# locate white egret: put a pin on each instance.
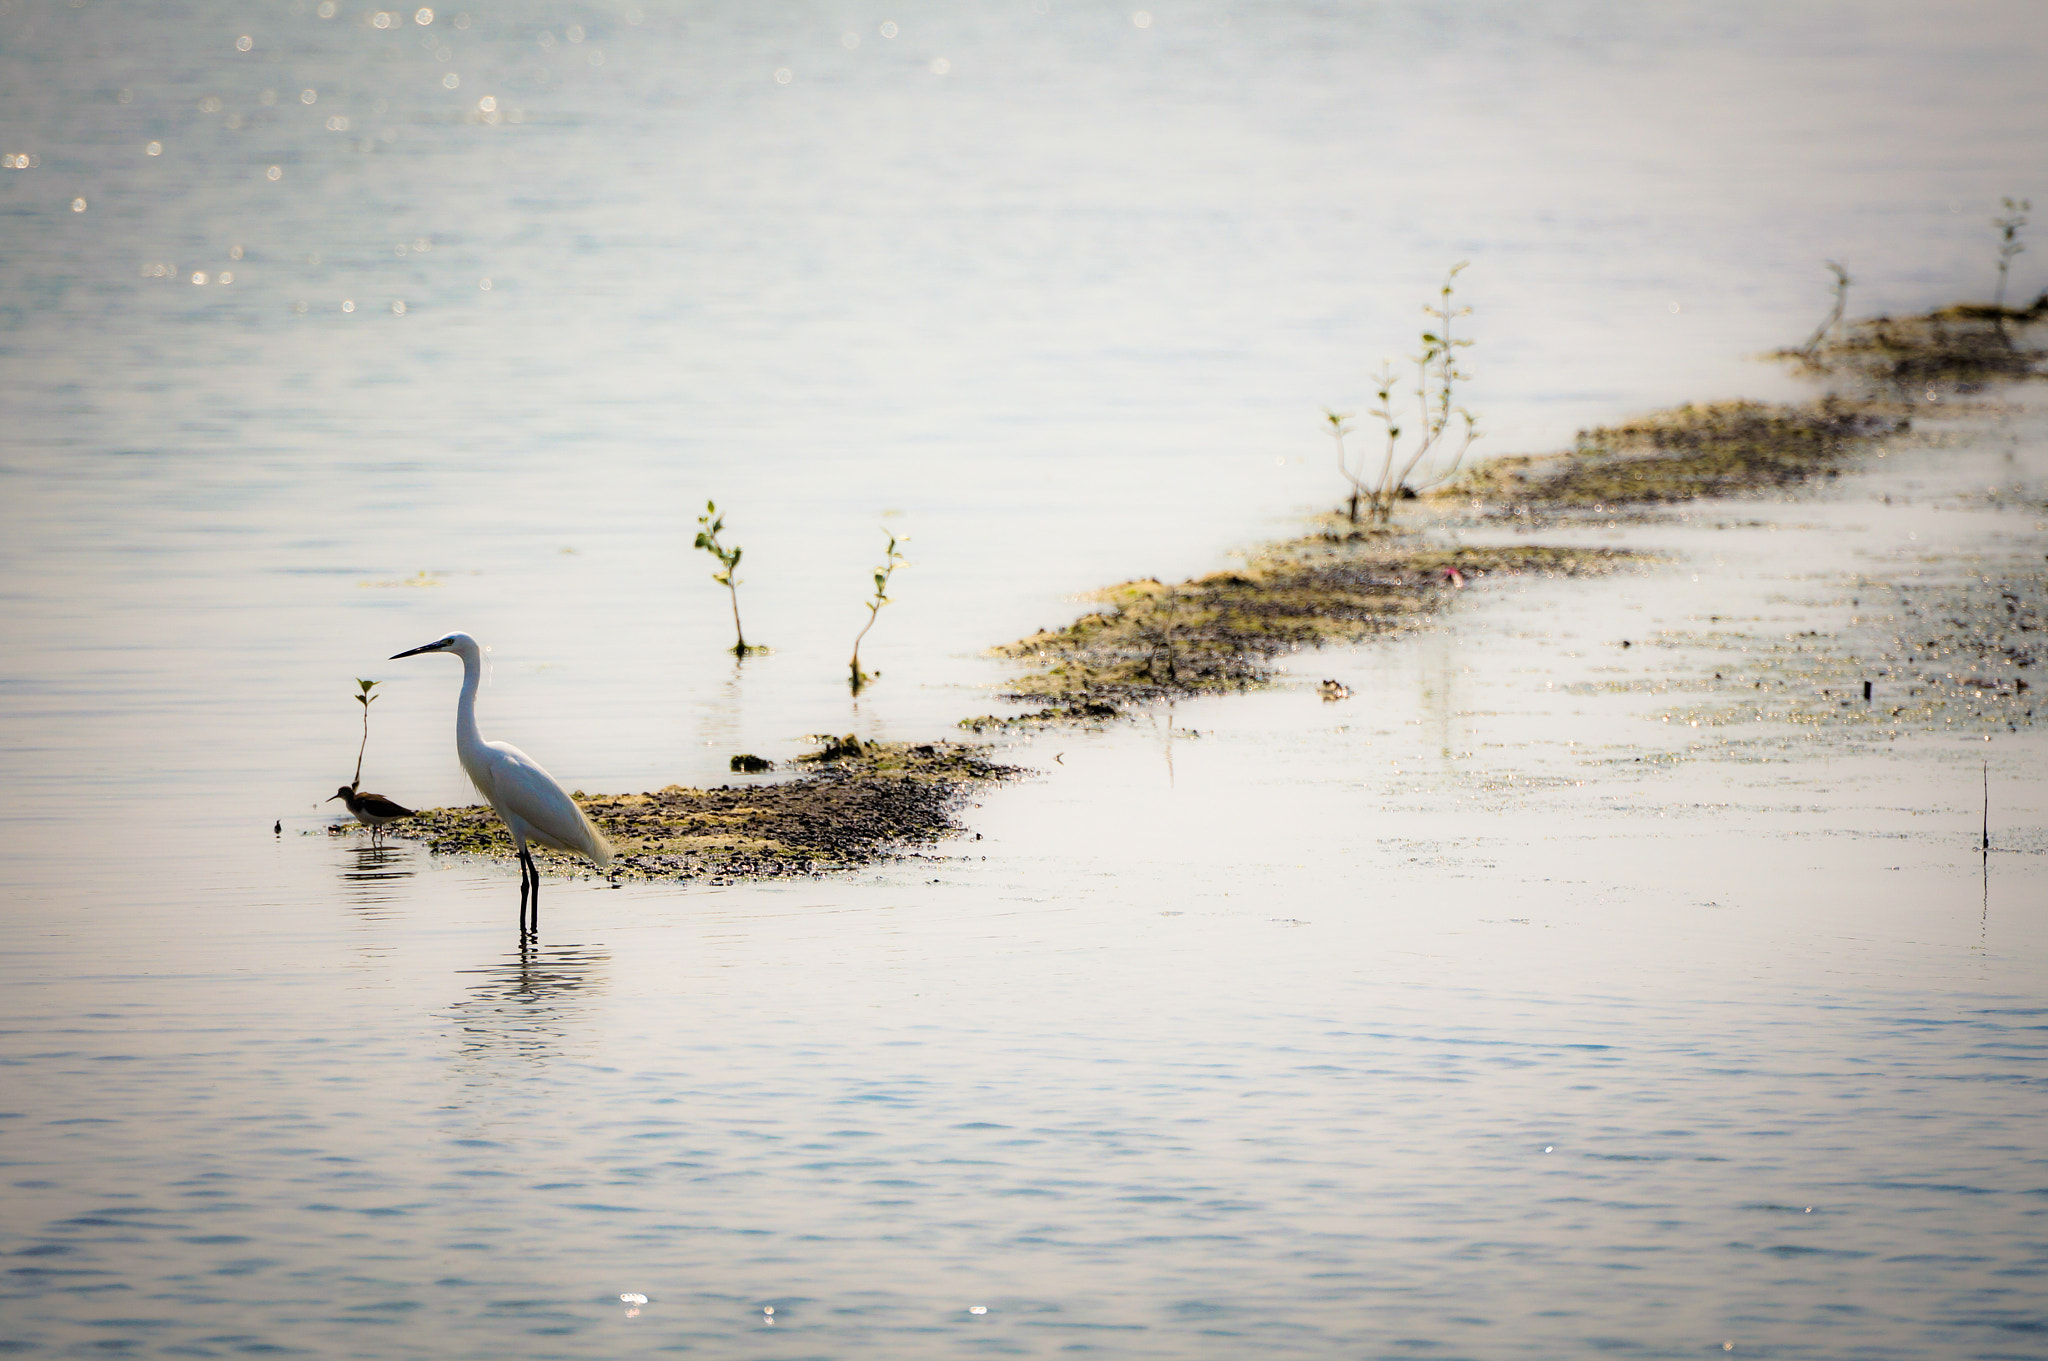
(372, 810)
(533, 806)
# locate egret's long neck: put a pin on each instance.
(469, 743)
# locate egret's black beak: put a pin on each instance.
(424, 647)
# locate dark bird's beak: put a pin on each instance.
(423, 647)
(330, 798)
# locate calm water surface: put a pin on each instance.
(1496, 1011)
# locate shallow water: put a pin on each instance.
(1488, 1012)
(1495, 1011)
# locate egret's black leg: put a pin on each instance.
(535, 872)
(525, 887)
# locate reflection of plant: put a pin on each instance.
(708, 525)
(890, 562)
(1834, 319)
(1436, 378)
(2009, 245)
(364, 698)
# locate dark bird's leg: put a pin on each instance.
(525, 887)
(530, 895)
(534, 870)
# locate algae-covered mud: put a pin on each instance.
(1681, 455)
(1929, 653)
(1961, 347)
(1218, 632)
(860, 801)
(1878, 371)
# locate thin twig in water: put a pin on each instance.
(1986, 845)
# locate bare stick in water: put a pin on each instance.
(1987, 805)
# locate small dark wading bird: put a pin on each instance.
(533, 807)
(372, 810)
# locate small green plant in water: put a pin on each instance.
(708, 526)
(1810, 351)
(890, 562)
(2009, 244)
(365, 698)
(1436, 378)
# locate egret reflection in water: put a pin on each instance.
(527, 1005)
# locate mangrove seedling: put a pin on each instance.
(1338, 430)
(708, 526)
(891, 560)
(2009, 245)
(365, 698)
(1811, 350)
(1436, 378)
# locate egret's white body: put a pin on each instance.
(534, 808)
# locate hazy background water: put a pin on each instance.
(1233, 1042)
(1071, 309)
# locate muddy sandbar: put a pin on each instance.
(857, 802)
